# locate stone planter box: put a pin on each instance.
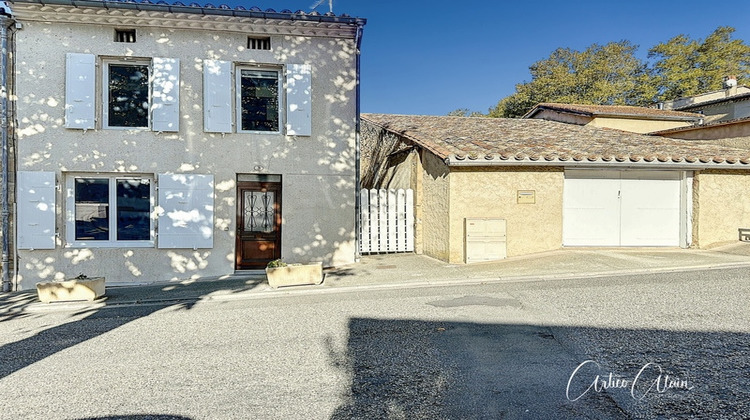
(74, 289)
(294, 275)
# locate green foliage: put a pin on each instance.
(276, 263)
(685, 67)
(612, 75)
(464, 112)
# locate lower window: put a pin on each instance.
(110, 211)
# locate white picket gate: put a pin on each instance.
(386, 221)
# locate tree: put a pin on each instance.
(685, 67)
(611, 74)
(602, 74)
(464, 112)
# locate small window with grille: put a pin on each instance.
(125, 35)
(259, 43)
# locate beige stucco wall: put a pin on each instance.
(741, 129)
(720, 206)
(705, 97)
(400, 172)
(492, 192)
(435, 197)
(636, 125)
(564, 117)
(632, 125)
(318, 172)
(387, 160)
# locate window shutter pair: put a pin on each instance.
(217, 98)
(186, 210)
(80, 90)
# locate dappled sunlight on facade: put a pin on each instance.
(218, 108)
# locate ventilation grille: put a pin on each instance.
(125, 35)
(255, 43)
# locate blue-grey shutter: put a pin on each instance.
(217, 96)
(80, 89)
(186, 211)
(299, 99)
(35, 215)
(165, 93)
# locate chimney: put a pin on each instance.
(730, 85)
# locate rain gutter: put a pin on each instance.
(453, 162)
(176, 8)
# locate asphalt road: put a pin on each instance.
(668, 345)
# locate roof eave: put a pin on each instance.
(453, 161)
(649, 117)
(212, 11)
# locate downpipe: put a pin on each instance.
(357, 176)
(5, 21)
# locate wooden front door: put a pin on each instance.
(258, 224)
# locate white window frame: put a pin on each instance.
(238, 97)
(112, 242)
(105, 92)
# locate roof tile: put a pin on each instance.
(534, 139)
(621, 110)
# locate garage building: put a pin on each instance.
(544, 185)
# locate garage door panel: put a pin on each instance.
(650, 212)
(621, 208)
(591, 212)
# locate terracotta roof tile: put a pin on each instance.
(706, 124)
(529, 140)
(615, 110)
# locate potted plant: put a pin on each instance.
(78, 288)
(280, 273)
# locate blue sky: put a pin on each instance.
(431, 57)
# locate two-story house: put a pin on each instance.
(158, 141)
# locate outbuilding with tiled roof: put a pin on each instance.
(555, 184)
(628, 118)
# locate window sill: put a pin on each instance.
(105, 244)
(139, 129)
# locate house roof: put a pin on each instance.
(733, 98)
(735, 121)
(504, 141)
(195, 8)
(621, 111)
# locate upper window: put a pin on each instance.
(110, 210)
(125, 35)
(141, 94)
(259, 43)
(264, 100)
(258, 100)
(127, 99)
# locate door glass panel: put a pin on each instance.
(259, 211)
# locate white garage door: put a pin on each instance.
(621, 208)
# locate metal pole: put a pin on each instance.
(5, 21)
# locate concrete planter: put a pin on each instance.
(294, 275)
(73, 289)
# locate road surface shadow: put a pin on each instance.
(98, 319)
(449, 370)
